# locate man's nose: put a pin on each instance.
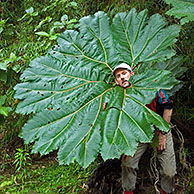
(122, 76)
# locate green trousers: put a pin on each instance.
(167, 169)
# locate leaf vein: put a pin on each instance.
(149, 110)
(130, 46)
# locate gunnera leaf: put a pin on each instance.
(174, 65)
(77, 107)
(182, 9)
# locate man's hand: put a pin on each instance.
(161, 137)
(161, 142)
(125, 157)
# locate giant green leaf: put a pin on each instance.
(67, 89)
(182, 9)
(174, 65)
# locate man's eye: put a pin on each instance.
(124, 73)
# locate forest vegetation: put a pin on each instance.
(28, 29)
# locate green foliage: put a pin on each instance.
(2, 25)
(181, 9)
(30, 13)
(68, 87)
(5, 183)
(50, 178)
(9, 61)
(25, 39)
(18, 25)
(19, 37)
(61, 25)
(4, 165)
(22, 162)
(174, 65)
(190, 183)
(3, 110)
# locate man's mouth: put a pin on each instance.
(124, 81)
(126, 84)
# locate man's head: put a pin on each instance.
(122, 73)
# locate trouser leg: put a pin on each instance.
(168, 165)
(129, 168)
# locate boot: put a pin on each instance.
(128, 192)
(163, 192)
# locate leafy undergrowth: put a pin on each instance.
(49, 177)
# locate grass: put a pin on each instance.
(49, 179)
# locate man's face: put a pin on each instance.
(121, 77)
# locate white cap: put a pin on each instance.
(122, 66)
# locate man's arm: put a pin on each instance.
(167, 115)
(162, 137)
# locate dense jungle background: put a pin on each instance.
(28, 28)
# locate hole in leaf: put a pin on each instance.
(80, 123)
(49, 122)
(61, 86)
(44, 85)
(51, 92)
(42, 94)
(67, 98)
(90, 124)
(38, 92)
(58, 108)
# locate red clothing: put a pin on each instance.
(160, 102)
